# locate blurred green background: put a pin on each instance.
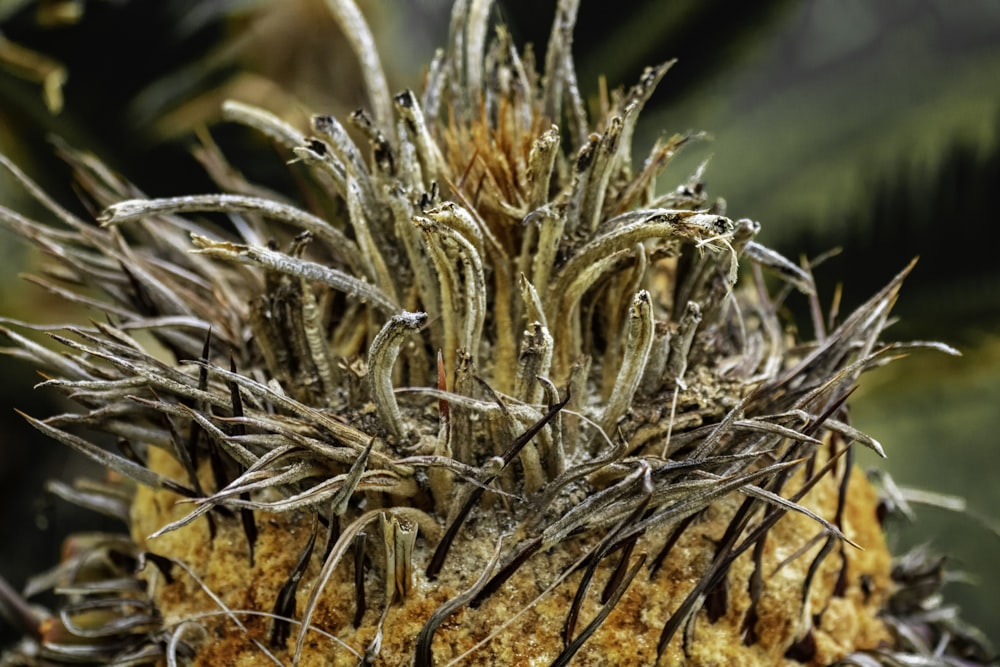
(869, 126)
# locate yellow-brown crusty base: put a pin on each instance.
(534, 627)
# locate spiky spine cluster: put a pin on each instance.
(488, 343)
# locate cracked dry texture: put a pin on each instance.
(628, 636)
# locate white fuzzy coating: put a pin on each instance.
(381, 358)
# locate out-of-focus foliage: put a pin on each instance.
(940, 416)
(871, 126)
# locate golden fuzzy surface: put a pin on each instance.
(522, 623)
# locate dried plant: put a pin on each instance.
(480, 397)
